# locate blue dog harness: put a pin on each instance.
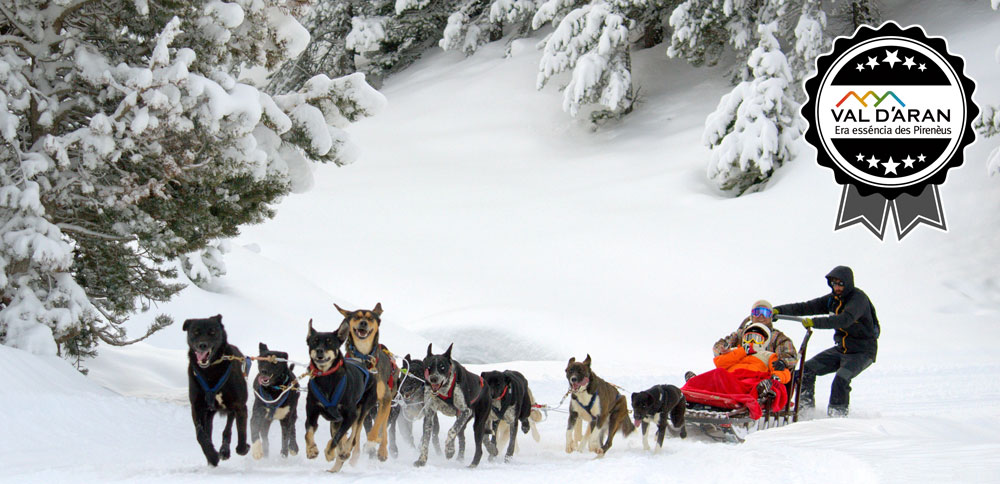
(267, 397)
(222, 381)
(339, 391)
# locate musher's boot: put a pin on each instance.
(689, 375)
(836, 412)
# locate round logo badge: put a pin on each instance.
(890, 111)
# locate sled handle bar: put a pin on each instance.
(788, 318)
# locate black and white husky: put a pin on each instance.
(455, 392)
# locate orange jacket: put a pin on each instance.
(760, 361)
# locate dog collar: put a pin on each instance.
(314, 372)
(502, 393)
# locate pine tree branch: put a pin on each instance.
(10, 17)
(57, 25)
(67, 227)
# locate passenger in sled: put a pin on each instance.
(753, 366)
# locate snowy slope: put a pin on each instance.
(480, 214)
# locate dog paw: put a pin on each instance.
(330, 452)
(383, 454)
(224, 453)
(420, 463)
(212, 458)
(507, 459)
(312, 451)
(242, 449)
(258, 450)
(449, 449)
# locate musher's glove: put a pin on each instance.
(779, 365)
(807, 322)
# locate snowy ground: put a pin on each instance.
(479, 214)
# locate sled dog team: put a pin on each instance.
(354, 381)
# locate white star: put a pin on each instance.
(861, 66)
(872, 62)
(890, 166)
(909, 63)
(908, 162)
(860, 157)
(873, 162)
(923, 67)
(921, 158)
(890, 58)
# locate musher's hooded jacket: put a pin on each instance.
(853, 318)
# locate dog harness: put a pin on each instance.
(225, 376)
(588, 406)
(339, 391)
(504, 392)
(267, 397)
(372, 359)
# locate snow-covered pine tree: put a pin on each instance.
(703, 28)
(810, 42)
(329, 23)
(988, 123)
(593, 42)
(470, 27)
(752, 131)
(128, 140)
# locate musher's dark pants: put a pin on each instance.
(832, 360)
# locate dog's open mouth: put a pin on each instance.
(579, 385)
(436, 386)
(638, 422)
(362, 333)
(264, 380)
(202, 357)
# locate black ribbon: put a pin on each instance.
(909, 211)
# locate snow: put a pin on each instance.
(492, 221)
(366, 34)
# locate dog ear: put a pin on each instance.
(587, 361)
(342, 310)
(407, 359)
(311, 330)
(429, 349)
(291, 368)
(378, 310)
(447, 353)
(572, 360)
(217, 318)
(187, 323)
(344, 331)
(262, 348)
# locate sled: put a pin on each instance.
(727, 420)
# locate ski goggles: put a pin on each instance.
(761, 311)
(753, 338)
(835, 282)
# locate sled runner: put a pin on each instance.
(729, 420)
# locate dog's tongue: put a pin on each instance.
(263, 380)
(202, 357)
(637, 423)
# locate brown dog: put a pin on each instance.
(595, 401)
(363, 345)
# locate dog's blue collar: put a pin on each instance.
(339, 391)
